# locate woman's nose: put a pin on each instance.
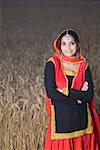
(68, 46)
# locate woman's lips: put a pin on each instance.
(68, 51)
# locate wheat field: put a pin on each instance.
(23, 114)
(27, 41)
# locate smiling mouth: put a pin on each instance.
(69, 51)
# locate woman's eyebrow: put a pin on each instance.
(69, 41)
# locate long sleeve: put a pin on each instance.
(85, 96)
(50, 86)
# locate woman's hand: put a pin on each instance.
(79, 102)
(85, 86)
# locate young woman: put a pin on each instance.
(74, 123)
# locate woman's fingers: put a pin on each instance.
(86, 83)
(84, 89)
(85, 86)
(79, 102)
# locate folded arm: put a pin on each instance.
(51, 89)
(84, 96)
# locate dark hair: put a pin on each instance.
(72, 33)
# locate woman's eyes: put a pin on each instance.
(63, 43)
(73, 43)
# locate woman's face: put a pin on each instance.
(68, 46)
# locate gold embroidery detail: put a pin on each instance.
(65, 91)
(74, 134)
(51, 59)
(70, 73)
